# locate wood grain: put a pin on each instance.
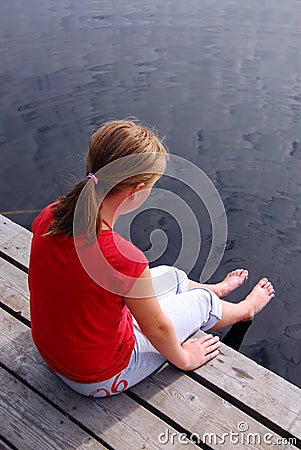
(15, 240)
(119, 420)
(232, 373)
(29, 422)
(200, 411)
(14, 288)
(4, 446)
(257, 387)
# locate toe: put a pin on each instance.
(238, 272)
(263, 282)
(242, 272)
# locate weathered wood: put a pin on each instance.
(15, 240)
(30, 422)
(118, 420)
(257, 387)
(202, 412)
(187, 403)
(4, 446)
(14, 288)
(232, 372)
(239, 385)
(9, 229)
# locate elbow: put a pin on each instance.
(160, 329)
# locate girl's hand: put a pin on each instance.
(201, 350)
(158, 328)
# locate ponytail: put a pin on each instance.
(89, 218)
(107, 148)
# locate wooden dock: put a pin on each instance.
(230, 403)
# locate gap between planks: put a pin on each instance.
(211, 375)
(191, 404)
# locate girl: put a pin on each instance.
(100, 318)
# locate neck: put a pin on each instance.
(109, 216)
(109, 210)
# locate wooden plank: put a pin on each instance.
(203, 413)
(253, 385)
(30, 422)
(4, 446)
(257, 387)
(9, 229)
(210, 413)
(15, 240)
(118, 420)
(14, 288)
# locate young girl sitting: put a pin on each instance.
(101, 319)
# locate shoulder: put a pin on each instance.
(122, 255)
(128, 250)
(43, 220)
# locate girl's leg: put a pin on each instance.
(259, 297)
(232, 313)
(232, 281)
(225, 313)
(189, 310)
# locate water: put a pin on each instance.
(220, 79)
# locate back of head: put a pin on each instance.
(122, 153)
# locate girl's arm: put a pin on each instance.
(160, 331)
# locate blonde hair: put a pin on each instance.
(110, 144)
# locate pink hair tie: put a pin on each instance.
(93, 178)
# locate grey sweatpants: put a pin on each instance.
(189, 311)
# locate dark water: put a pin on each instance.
(220, 79)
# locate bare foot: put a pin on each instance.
(232, 281)
(259, 297)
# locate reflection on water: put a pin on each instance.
(219, 78)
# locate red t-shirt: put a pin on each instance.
(82, 330)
